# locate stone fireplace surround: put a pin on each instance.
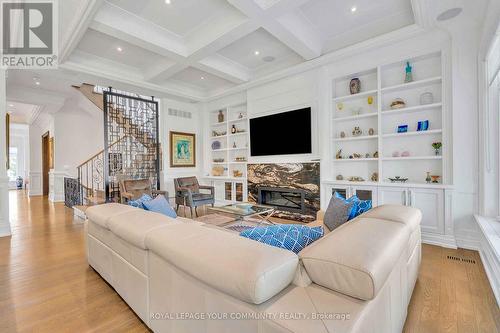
(290, 179)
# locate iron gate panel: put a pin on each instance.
(131, 141)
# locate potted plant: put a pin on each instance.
(437, 147)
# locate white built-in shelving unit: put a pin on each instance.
(232, 145)
(381, 85)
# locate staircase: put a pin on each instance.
(91, 175)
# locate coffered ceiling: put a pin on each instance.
(199, 48)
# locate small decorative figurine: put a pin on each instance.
(342, 134)
(398, 103)
(357, 131)
(356, 179)
(339, 155)
(375, 154)
(233, 129)
(367, 155)
(395, 154)
(220, 116)
(423, 125)
(355, 86)
(409, 75)
(370, 100)
(340, 106)
(435, 179)
(405, 154)
(371, 131)
(402, 128)
(428, 178)
(340, 177)
(426, 98)
(356, 155)
(240, 116)
(216, 145)
(374, 177)
(437, 148)
(398, 179)
(234, 145)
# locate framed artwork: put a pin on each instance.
(182, 150)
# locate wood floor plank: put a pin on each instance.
(46, 284)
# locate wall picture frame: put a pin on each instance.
(182, 150)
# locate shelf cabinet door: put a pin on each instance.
(228, 191)
(431, 203)
(344, 191)
(238, 192)
(366, 193)
(392, 196)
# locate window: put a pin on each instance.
(13, 171)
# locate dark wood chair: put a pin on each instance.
(187, 194)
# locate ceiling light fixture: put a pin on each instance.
(37, 83)
(168, 2)
(11, 105)
(256, 52)
(449, 14)
(119, 49)
(202, 78)
(353, 9)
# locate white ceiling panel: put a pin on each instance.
(335, 17)
(105, 46)
(20, 113)
(244, 51)
(179, 17)
(200, 79)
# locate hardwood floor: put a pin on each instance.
(46, 284)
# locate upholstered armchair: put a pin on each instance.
(132, 189)
(187, 194)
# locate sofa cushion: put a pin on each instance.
(245, 269)
(160, 205)
(290, 237)
(101, 214)
(337, 213)
(357, 258)
(402, 214)
(134, 226)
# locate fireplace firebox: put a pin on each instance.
(285, 199)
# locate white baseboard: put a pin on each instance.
(439, 240)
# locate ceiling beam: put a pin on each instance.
(289, 27)
(82, 21)
(225, 68)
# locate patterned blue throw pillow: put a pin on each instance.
(286, 236)
(139, 203)
(359, 206)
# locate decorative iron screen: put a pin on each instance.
(131, 141)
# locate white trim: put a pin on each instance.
(447, 241)
(489, 252)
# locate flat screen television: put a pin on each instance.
(287, 133)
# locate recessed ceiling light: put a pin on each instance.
(11, 105)
(256, 52)
(353, 9)
(449, 14)
(119, 49)
(202, 78)
(168, 2)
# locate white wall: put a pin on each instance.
(79, 134)
(178, 124)
(19, 138)
(4, 194)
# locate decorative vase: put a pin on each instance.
(437, 151)
(408, 75)
(426, 98)
(220, 116)
(233, 129)
(428, 178)
(355, 86)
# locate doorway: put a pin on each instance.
(45, 162)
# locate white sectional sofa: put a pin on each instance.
(179, 275)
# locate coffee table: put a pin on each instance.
(246, 215)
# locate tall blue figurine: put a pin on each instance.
(408, 76)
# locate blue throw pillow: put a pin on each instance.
(160, 205)
(139, 202)
(358, 207)
(291, 237)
